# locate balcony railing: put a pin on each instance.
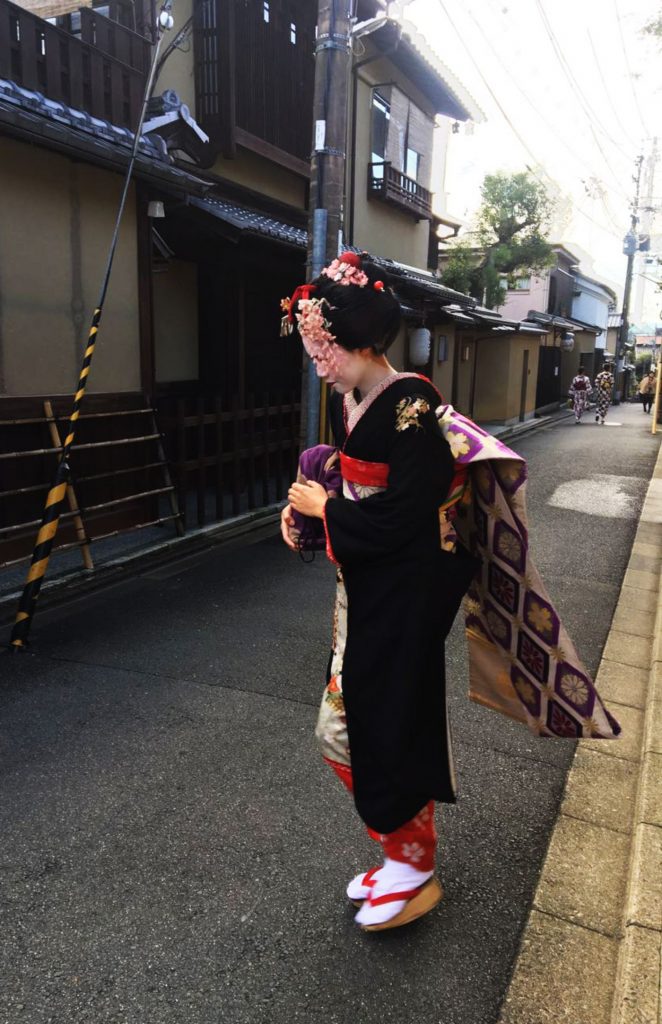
(115, 40)
(394, 187)
(106, 78)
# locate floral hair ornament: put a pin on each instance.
(346, 270)
(315, 330)
(301, 293)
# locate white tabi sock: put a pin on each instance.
(395, 876)
(357, 890)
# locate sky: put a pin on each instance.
(571, 89)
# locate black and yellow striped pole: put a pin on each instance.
(57, 493)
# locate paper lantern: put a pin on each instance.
(419, 346)
(567, 341)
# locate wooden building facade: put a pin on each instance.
(193, 410)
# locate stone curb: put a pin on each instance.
(516, 430)
(591, 949)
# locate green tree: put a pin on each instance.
(654, 26)
(509, 235)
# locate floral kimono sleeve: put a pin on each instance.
(420, 473)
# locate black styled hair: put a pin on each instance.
(360, 317)
(581, 370)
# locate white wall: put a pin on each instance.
(591, 306)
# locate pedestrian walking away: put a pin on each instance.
(647, 390)
(604, 386)
(408, 529)
(580, 389)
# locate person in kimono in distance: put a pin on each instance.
(383, 724)
(604, 386)
(580, 389)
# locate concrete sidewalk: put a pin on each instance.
(591, 951)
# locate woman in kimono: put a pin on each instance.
(580, 389)
(383, 724)
(604, 384)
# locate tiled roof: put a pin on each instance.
(562, 321)
(254, 222)
(251, 220)
(421, 280)
(420, 44)
(13, 95)
(614, 320)
(488, 319)
(26, 113)
(57, 122)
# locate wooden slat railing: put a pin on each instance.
(387, 183)
(231, 459)
(41, 57)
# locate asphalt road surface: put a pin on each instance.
(173, 850)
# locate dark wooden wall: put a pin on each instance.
(254, 74)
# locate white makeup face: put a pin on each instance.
(342, 369)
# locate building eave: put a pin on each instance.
(418, 61)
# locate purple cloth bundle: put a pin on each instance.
(322, 464)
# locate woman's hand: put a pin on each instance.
(309, 499)
(286, 527)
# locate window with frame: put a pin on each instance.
(412, 163)
(381, 116)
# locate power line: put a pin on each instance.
(590, 114)
(516, 132)
(597, 223)
(607, 94)
(552, 128)
(593, 118)
(629, 71)
(496, 100)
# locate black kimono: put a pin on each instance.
(386, 679)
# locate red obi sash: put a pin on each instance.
(375, 474)
(357, 471)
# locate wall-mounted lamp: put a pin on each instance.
(568, 341)
(155, 209)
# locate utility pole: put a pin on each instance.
(630, 246)
(646, 227)
(327, 170)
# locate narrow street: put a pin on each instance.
(175, 852)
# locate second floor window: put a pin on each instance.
(401, 135)
(381, 115)
(412, 164)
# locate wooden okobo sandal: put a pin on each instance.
(419, 902)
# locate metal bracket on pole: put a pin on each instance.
(332, 43)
